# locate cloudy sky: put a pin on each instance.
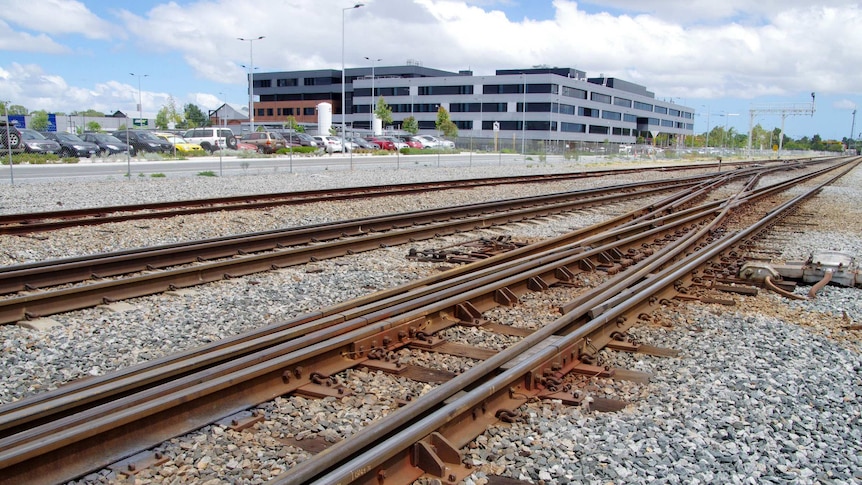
(718, 57)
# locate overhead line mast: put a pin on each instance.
(785, 110)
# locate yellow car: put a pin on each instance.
(181, 144)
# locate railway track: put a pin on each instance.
(110, 417)
(121, 275)
(27, 223)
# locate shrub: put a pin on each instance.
(158, 175)
(406, 150)
(207, 173)
(286, 151)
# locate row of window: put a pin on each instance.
(486, 107)
(466, 89)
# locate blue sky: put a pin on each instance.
(719, 58)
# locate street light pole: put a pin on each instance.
(140, 100)
(373, 99)
(524, 119)
(343, 80)
(9, 141)
(250, 80)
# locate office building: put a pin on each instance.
(556, 104)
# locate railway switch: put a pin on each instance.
(841, 269)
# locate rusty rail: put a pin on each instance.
(25, 223)
(145, 418)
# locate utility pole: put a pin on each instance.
(784, 110)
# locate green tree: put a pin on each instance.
(168, 114)
(291, 124)
(410, 125)
(93, 126)
(89, 112)
(383, 111)
(194, 116)
(14, 109)
(39, 120)
(444, 124)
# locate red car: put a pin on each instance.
(412, 142)
(383, 143)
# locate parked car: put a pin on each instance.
(108, 144)
(331, 144)
(144, 141)
(211, 138)
(14, 137)
(363, 143)
(245, 147)
(395, 141)
(72, 145)
(433, 142)
(180, 144)
(411, 142)
(383, 143)
(265, 141)
(34, 142)
(298, 139)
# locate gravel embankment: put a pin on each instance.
(767, 391)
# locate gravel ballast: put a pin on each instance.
(766, 391)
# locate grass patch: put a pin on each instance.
(158, 175)
(207, 173)
(303, 150)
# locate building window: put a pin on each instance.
(361, 92)
(643, 106)
(673, 112)
(627, 103)
(574, 92)
(538, 125)
(263, 83)
(612, 115)
(566, 109)
(599, 130)
(308, 111)
(600, 98)
(589, 112)
(494, 107)
(630, 118)
(427, 125)
(542, 88)
(661, 110)
(445, 90)
(573, 127)
(503, 89)
(667, 123)
(464, 107)
(617, 131)
(259, 111)
(282, 83)
(464, 125)
(269, 111)
(535, 107)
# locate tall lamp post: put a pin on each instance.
(726, 116)
(140, 100)
(250, 79)
(9, 142)
(343, 80)
(373, 99)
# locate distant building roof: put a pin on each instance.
(229, 113)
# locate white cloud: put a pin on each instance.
(55, 17)
(677, 48)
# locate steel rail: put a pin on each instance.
(23, 223)
(84, 392)
(81, 268)
(77, 297)
(154, 405)
(381, 441)
(267, 377)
